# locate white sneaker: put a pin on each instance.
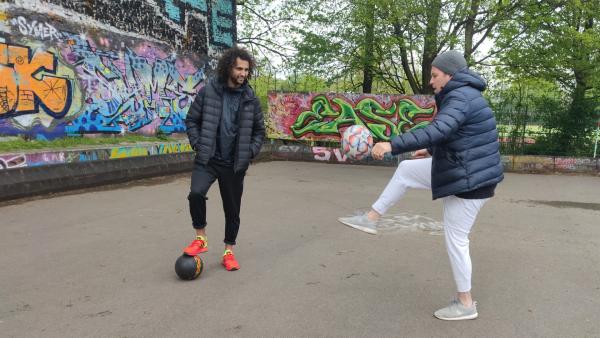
(360, 222)
(457, 311)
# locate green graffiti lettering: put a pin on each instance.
(325, 120)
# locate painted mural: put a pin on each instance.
(19, 160)
(302, 151)
(106, 67)
(317, 116)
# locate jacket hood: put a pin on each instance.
(465, 77)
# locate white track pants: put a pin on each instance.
(459, 214)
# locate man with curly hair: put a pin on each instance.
(225, 127)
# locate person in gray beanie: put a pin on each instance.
(450, 62)
(457, 157)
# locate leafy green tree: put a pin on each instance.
(368, 42)
(419, 30)
(262, 25)
(559, 41)
(337, 39)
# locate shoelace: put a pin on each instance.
(229, 259)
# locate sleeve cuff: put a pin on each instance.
(395, 148)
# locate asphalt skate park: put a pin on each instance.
(99, 262)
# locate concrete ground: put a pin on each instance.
(99, 263)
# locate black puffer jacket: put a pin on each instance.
(462, 138)
(202, 122)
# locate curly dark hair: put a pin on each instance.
(227, 61)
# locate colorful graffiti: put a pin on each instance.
(28, 83)
(223, 22)
(543, 164)
(304, 152)
(221, 13)
(131, 90)
(326, 154)
(11, 161)
(161, 149)
(325, 116)
(77, 72)
(175, 8)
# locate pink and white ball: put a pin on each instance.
(357, 142)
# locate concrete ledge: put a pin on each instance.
(551, 164)
(289, 151)
(29, 174)
(512, 163)
(31, 181)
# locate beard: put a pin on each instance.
(239, 80)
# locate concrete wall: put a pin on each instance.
(522, 164)
(551, 164)
(71, 67)
(28, 174)
(48, 158)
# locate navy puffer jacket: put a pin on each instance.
(204, 116)
(462, 138)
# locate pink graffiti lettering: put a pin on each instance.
(12, 161)
(324, 154)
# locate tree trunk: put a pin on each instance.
(470, 31)
(580, 116)
(368, 56)
(410, 76)
(431, 45)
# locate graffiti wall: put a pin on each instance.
(18, 160)
(72, 67)
(550, 164)
(305, 152)
(317, 116)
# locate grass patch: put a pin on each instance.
(74, 142)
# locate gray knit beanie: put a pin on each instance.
(450, 62)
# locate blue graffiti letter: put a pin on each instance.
(174, 11)
(222, 22)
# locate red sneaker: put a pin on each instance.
(229, 261)
(199, 245)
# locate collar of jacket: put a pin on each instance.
(247, 94)
(462, 78)
(450, 86)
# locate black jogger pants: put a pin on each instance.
(231, 185)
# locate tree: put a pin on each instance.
(434, 26)
(560, 42)
(263, 25)
(337, 39)
(374, 41)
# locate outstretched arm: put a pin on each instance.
(445, 123)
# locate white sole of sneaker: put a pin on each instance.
(473, 316)
(359, 227)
